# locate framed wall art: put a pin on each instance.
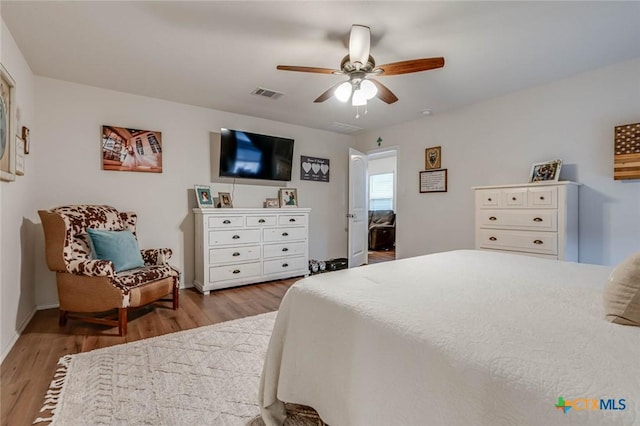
(203, 196)
(314, 169)
(19, 156)
(626, 154)
(433, 158)
(545, 171)
(27, 139)
(131, 150)
(433, 181)
(7, 125)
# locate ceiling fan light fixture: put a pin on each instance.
(343, 92)
(358, 98)
(368, 89)
(359, 45)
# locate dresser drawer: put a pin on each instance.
(514, 198)
(544, 197)
(544, 220)
(284, 234)
(487, 198)
(292, 219)
(284, 265)
(261, 220)
(234, 254)
(230, 272)
(226, 222)
(284, 249)
(535, 242)
(239, 236)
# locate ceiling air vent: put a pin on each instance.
(267, 93)
(344, 128)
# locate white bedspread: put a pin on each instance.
(457, 338)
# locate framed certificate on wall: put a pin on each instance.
(433, 181)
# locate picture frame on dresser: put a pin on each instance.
(225, 200)
(547, 171)
(288, 197)
(203, 196)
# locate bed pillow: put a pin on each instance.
(622, 293)
(120, 247)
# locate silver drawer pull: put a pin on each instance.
(493, 218)
(292, 220)
(236, 271)
(493, 239)
(285, 265)
(285, 234)
(285, 249)
(236, 254)
(261, 221)
(226, 221)
(537, 219)
(235, 237)
(537, 242)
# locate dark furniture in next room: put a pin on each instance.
(382, 229)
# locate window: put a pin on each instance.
(381, 192)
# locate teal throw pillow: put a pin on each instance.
(120, 247)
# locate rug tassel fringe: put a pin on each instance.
(55, 391)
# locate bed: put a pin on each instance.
(457, 338)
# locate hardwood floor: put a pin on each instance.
(28, 369)
(381, 255)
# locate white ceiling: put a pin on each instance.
(213, 54)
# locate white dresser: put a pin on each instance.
(242, 246)
(537, 219)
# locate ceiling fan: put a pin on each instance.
(360, 67)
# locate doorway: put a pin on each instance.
(382, 175)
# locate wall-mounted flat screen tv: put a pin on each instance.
(255, 156)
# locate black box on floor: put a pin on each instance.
(337, 263)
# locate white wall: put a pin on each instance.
(496, 142)
(68, 163)
(17, 293)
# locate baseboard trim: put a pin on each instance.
(16, 336)
(51, 306)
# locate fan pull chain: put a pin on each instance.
(357, 112)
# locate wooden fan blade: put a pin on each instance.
(384, 93)
(412, 65)
(308, 69)
(328, 93)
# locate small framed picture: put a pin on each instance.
(288, 197)
(225, 200)
(545, 171)
(433, 158)
(26, 139)
(203, 195)
(271, 203)
(19, 156)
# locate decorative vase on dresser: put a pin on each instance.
(537, 219)
(242, 246)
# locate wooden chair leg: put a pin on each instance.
(122, 321)
(176, 298)
(62, 321)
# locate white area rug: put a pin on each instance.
(205, 376)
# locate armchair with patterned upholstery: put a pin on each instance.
(87, 285)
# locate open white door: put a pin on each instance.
(358, 211)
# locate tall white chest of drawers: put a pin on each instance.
(243, 246)
(538, 219)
